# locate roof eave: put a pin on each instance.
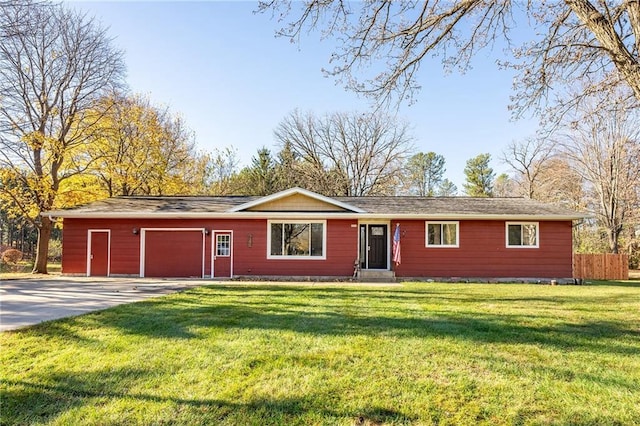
(309, 215)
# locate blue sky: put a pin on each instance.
(220, 66)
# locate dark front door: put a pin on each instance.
(377, 237)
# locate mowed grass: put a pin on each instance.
(423, 353)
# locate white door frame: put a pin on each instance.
(375, 222)
(213, 250)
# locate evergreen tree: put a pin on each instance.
(447, 189)
(424, 173)
(480, 177)
(287, 171)
(261, 175)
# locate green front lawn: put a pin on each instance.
(417, 354)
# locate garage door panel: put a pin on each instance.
(173, 254)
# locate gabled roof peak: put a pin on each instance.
(293, 192)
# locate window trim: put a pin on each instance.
(441, 222)
(221, 234)
(522, 246)
(292, 221)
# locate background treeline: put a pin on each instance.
(142, 149)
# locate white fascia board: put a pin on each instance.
(293, 191)
(306, 215)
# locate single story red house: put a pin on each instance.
(298, 233)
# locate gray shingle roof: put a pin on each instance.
(391, 207)
(455, 205)
(159, 205)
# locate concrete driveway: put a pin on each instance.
(29, 301)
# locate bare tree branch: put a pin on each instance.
(584, 47)
(604, 149)
(529, 159)
(348, 153)
(54, 64)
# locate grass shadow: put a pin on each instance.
(184, 315)
(56, 394)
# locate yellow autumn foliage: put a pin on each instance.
(142, 149)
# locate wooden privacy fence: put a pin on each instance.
(601, 266)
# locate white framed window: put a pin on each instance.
(296, 239)
(223, 245)
(522, 234)
(442, 234)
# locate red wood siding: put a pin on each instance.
(125, 246)
(482, 252)
(250, 251)
(249, 246)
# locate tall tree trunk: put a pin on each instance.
(44, 235)
(605, 32)
(613, 234)
(613, 241)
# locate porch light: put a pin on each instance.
(135, 231)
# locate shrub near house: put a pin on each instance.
(11, 257)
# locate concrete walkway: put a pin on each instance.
(30, 301)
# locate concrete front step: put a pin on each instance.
(376, 276)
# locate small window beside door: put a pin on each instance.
(223, 245)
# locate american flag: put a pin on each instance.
(396, 245)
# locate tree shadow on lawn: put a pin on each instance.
(56, 330)
(26, 402)
(187, 315)
(347, 312)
